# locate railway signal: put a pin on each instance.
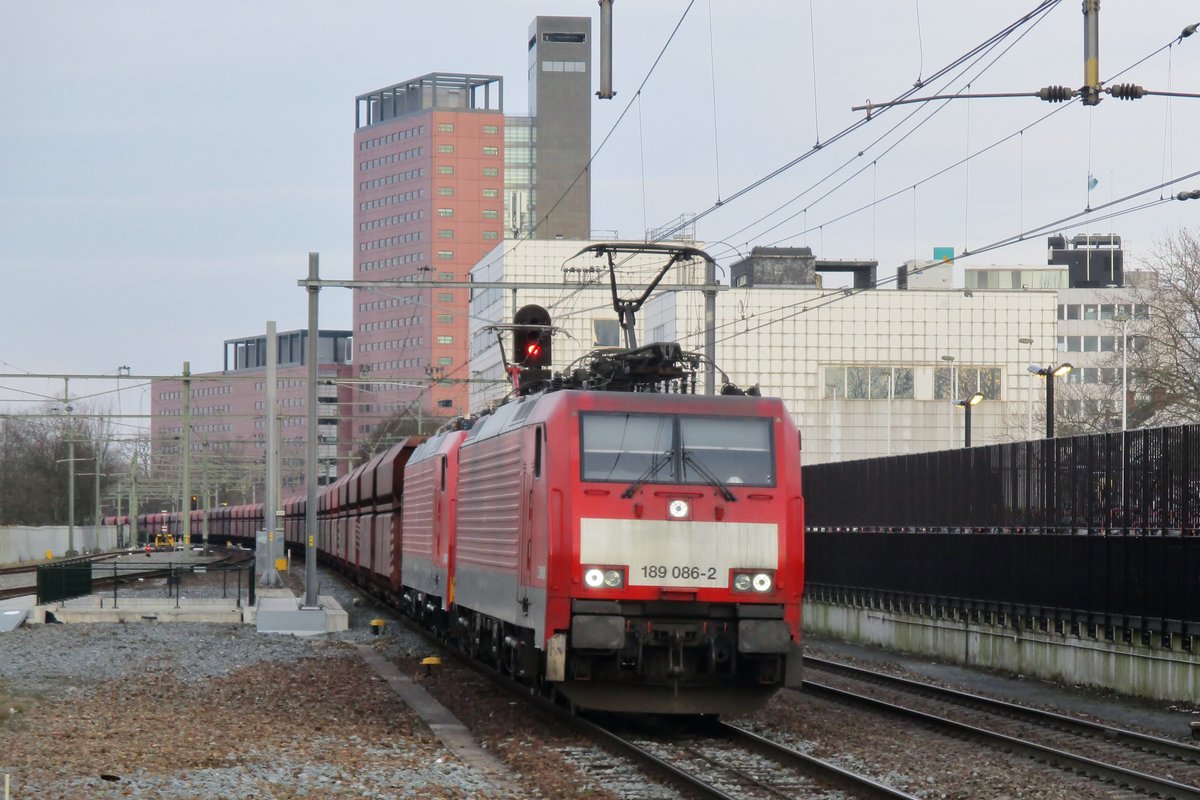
(531, 337)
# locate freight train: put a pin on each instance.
(627, 551)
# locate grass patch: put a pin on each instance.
(12, 708)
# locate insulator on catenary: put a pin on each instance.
(1056, 94)
(1126, 91)
(1194, 194)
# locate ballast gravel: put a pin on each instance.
(195, 710)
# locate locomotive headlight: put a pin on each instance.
(603, 577)
(678, 509)
(753, 582)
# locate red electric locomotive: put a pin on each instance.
(637, 551)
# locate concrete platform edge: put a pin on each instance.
(445, 726)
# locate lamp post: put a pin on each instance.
(1050, 373)
(1028, 342)
(1123, 318)
(965, 405)
(950, 395)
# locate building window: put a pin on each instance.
(445, 169)
(445, 361)
(970, 381)
(491, 172)
(563, 66)
(491, 192)
(445, 127)
(445, 297)
(445, 212)
(446, 255)
(445, 233)
(445, 276)
(607, 333)
(491, 213)
(1072, 312)
(490, 235)
(491, 130)
(869, 382)
(448, 191)
(445, 318)
(445, 340)
(491, 151)
(445, 148)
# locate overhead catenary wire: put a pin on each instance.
(968, 56)
(878, 139)
(807, 228)
(987, 44)
(612, 129)
(712, 63)
(840, 294)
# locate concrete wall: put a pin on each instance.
(1153, 672)
(24, 543)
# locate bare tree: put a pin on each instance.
(1168, 368)
(36, 449)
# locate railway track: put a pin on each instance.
(727, 762)
(19, 569)
(711, 759)
(1138, 762)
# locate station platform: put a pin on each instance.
(275, 611)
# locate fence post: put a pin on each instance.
(114, 585)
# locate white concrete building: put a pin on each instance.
(864, 373)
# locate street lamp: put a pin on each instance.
(1050, 373)
(965, 405)
(1123, 318)
(1028, 342)
(950, 395)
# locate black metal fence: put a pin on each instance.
(1142, 482)
(1100, 530)
(57, 582)
(168, 580)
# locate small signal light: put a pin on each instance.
(532, 337)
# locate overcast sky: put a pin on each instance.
(165, 168)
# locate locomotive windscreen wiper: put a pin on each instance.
(657, 462)
(709, 478)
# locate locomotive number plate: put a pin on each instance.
(653, 572)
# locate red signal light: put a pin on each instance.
(533, 350)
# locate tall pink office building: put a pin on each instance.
(428, 203)
(442, 177)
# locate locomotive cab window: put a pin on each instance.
(626, 447)
(659, 448)
(734, 451)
